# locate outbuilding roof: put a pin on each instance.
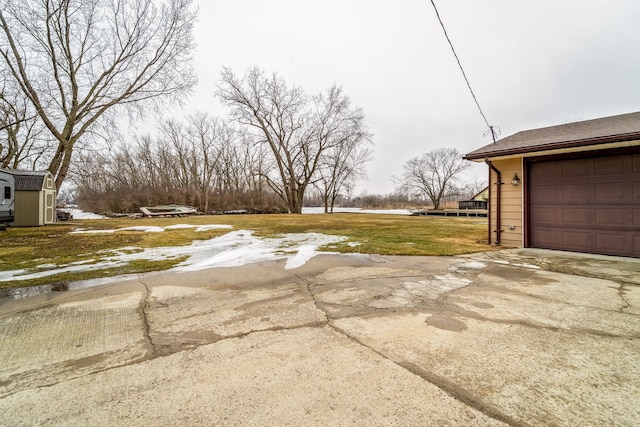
(28, 180)
(624, 127)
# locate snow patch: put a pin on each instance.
(80, 214)
(305, 253)
(232, 249)
(473, 265)
(155, 229)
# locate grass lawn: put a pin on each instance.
(25, 248)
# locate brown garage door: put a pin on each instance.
(586, 205)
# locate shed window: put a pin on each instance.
(7, 192)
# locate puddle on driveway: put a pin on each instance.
(30, 291)
(446, 323)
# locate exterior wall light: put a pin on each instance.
(515, 180)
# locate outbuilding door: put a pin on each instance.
(585, 204)
(49, 206)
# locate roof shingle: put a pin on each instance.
(27, 180)
(624, 127)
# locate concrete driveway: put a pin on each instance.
(514, 337)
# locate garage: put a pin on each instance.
(573, 187)
(587, 204)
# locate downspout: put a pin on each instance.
(489, 207)
(498, 198)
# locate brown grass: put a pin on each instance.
(26, 248)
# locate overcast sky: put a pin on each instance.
(531, 64)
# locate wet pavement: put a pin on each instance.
(513, 337)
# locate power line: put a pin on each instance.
(494, 131)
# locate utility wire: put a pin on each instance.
(492, 129)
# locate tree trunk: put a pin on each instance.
(436, 203)
(63, 168)
(297, 196)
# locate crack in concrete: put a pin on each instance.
(473, 315)
(566, 264)
(571, 267)
(448, 387)
(271, 329)
(627, 304)
(144, 308)
(308, 283)
(555, 301)
(453, 390)
(71, 378)
(156, 351)
(452, 307)
(461, 394)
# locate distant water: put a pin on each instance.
(316, 210)
(79, 214)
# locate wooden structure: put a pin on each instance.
(478, 201)
(168, 210)
(35, 198)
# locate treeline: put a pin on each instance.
(277, 143)
(399, 200)
(201, 162)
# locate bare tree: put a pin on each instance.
(13, 115)
(342, 135)
(209, 136)
(469, 189)
(21, 133)
(341, 168)
(76, 61)
(297, 129)
(183, 166)
(277, 115)
(433, 174)
(256, 164)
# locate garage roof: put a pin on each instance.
(624, 127)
